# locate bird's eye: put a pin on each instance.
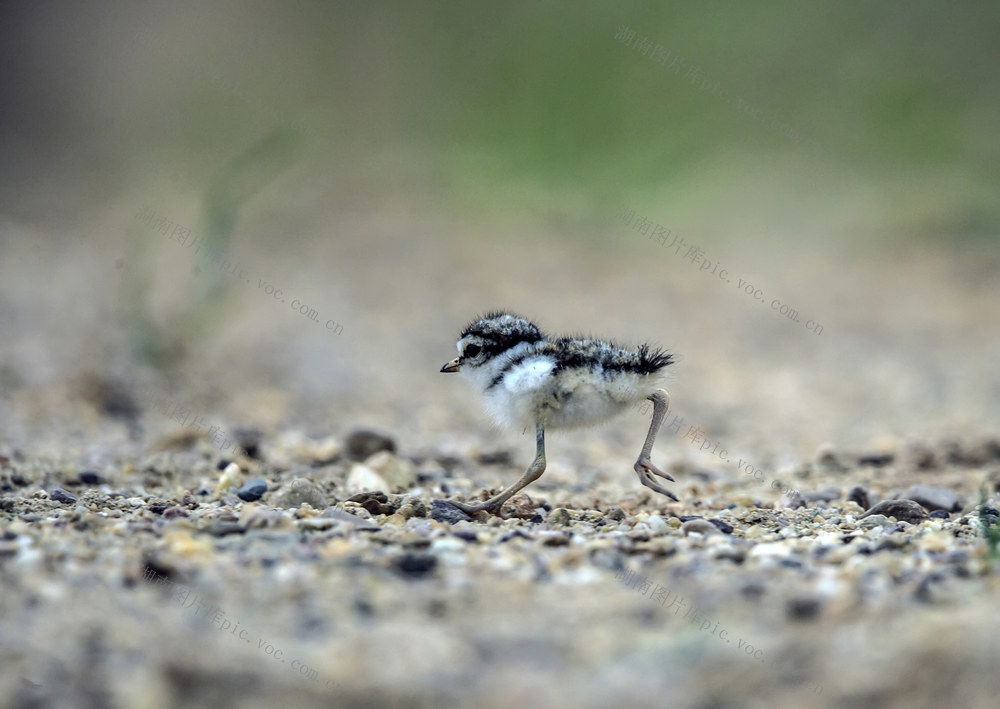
(472, 351)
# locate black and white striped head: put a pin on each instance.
(491, 336)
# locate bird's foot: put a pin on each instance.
(472, 508)
(645, 469)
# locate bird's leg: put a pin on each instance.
(644, 467)
(532, 474)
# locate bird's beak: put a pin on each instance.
(452, 366)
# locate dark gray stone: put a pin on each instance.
(933, 498)
(903, 510)
(252, 490)
(860, 495)
(416, 564)
(363, 443)
(60, 495)
(444, 511)
(722, 526)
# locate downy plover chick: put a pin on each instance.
(531, 379)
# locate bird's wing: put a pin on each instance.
(529, 375)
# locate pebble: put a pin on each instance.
(875, 520)
(903, 510)
(444, 511)
(60, 495)
(89, 477)
(362, 479)
(363, 443)
(252, 490)
(519, 506)
(352, 519)
(859, 495)
(322, 452)
(559, 517)
(699, 526)
(298, 491)
(803, 608)
(933, 498)
(416, 565)
(878, 460)
(396, 472)
(657, 524)
(230, 478)
(722, 525)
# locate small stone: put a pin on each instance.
(699, 526)
(444, 511)
(89, 477)
(876, 520)
(940, 514)
(377, 508)
(878, 460)
(355, 509)
(657, 525)
(792, 500)
(467, 534)
(803, 608)
(298, 491)
(405, 511)
(559, 517)
(415, 503)
(859, 495)
(722, 525)
(322, 452)
(174, 513)
(363, 497)
(616, 513)
(416, 565)
(362, 478)
(60, 495)
(352, 519)
(397, 473)
(933, 498)
(362, 444)
(519, 506)
(902, 510)
(230, 478)
(252, 490)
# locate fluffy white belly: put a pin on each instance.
(566, 400)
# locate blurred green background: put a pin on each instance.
(532, 108)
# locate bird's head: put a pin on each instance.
(487, 338)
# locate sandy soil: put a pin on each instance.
(133, 575)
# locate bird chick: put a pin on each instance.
(530, 379)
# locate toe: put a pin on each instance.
(647, 466)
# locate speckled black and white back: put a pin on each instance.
(527, 377)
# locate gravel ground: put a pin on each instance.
(265, 522)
